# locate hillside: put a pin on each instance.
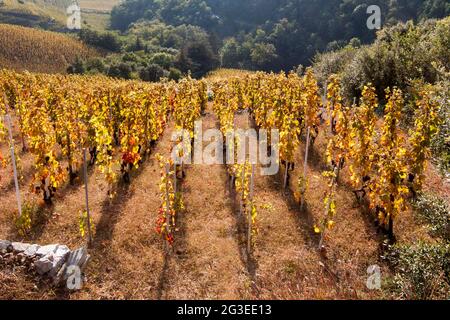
(51, 14)
(47, 14)
(95, 14)
(273, 34)
(101, 5)
(39, 51)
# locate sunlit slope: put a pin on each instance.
(51, 14)
(39, 51)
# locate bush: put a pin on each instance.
(332, 63)
(105, 40)
(400, 54)
(152, 73)
(121, 70)
(441, 142)
(422, 271)
(436, 212)
(77, 67)
(95, 65)
(198, 58)
(32, 217)
(175, 74)
(162, 59)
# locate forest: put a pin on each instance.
(267, 34)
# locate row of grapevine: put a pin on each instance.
(59, 116)
(189, 100)
(228, 99)
(118, 122)
(291, 104)
(386, 165)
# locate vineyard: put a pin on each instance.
(39, 51)
(161, 229)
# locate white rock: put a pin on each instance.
(43, 265)
(19, 246)
(45, 250)
(79, 258)
(31, 250)
(59, 259)
(4, 245)
(52, 259)
(61, 251)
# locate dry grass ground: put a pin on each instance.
(104, 5)
(209, 260)
(207, 263)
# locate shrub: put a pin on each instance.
(105, 40)
(95, 65)
(121, 70)
(77, 67)
(162, 59)
(152, 73)
(436, 212)
(441, 142)
(422, 271)
(32, 216)
(175, 74)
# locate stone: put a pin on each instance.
(5, 246)
(61, 251)
(43, 265)
(52, 258)
(45, 250)
(79, 258)
(31, 250)
(19, 246)
(59, 258)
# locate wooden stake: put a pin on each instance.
(252, 182)
(250, 222)
(286, 176)
(175, 178)
(87, 196)
(13, 160)
(243, 189)
(168, 217)
(305, 167)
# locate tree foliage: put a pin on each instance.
(292, 30)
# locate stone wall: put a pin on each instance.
(54, 261)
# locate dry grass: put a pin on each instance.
(39, 51)
(102, 5)
(54, 9)
(94, 13)
(209, 259)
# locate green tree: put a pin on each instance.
(263, 55)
